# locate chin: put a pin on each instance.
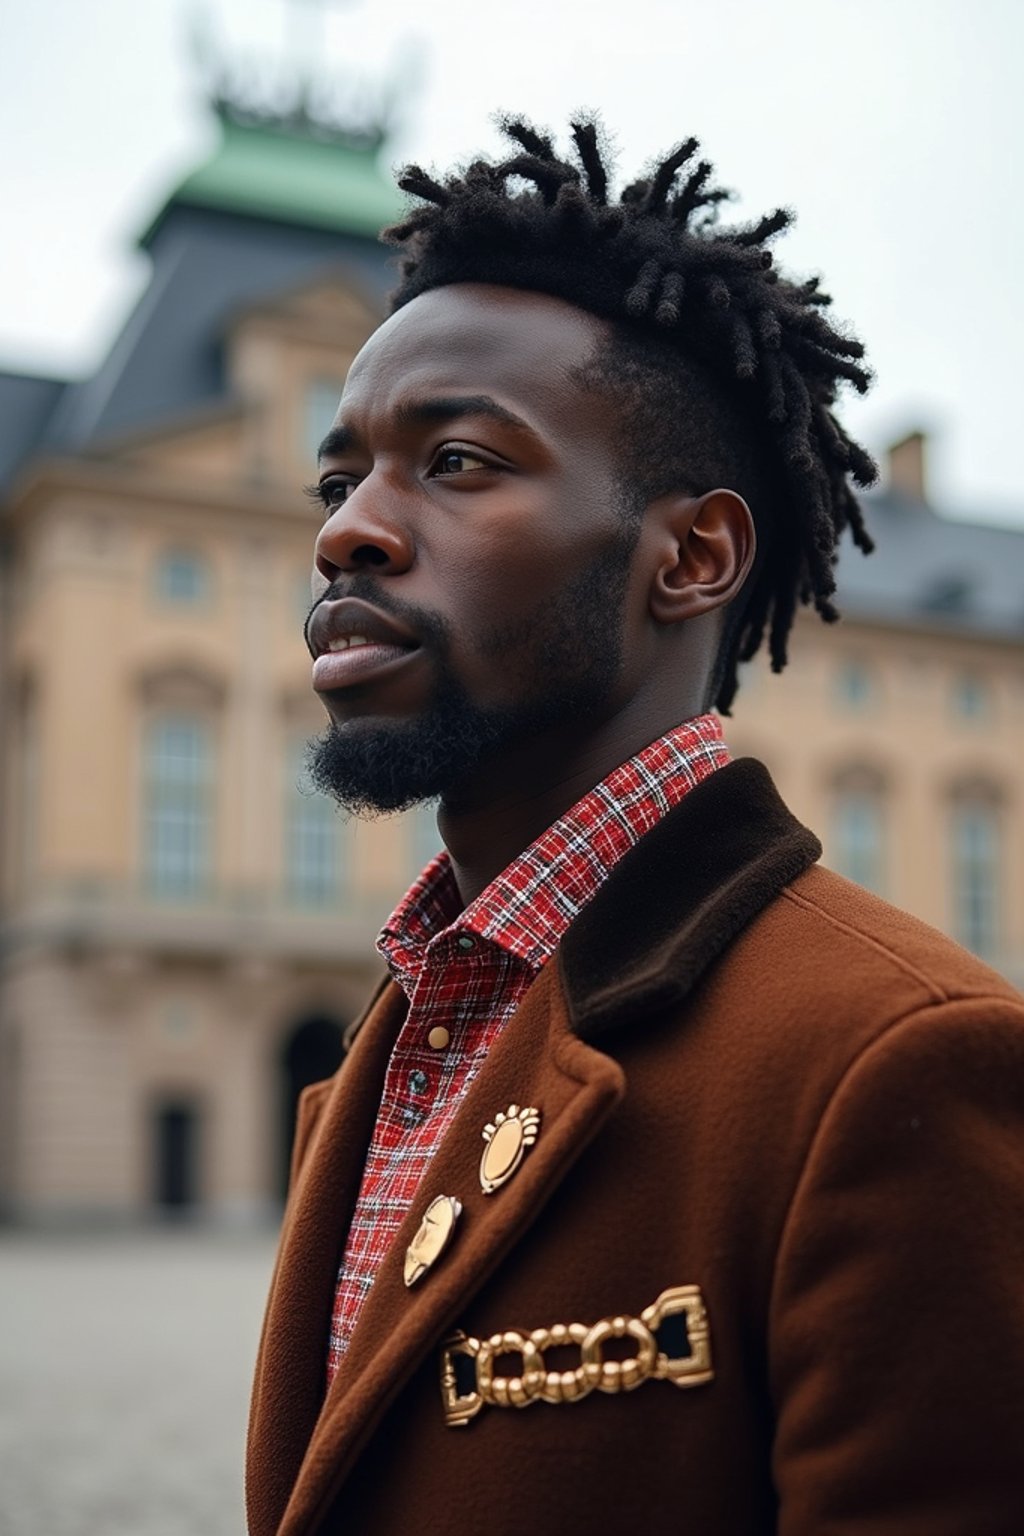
(377, 766)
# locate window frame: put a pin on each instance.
(178, 792)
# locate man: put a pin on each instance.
(671, 1182)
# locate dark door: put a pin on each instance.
(177, 1156)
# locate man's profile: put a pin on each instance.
(671, 1182)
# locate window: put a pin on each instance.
(178, 806)
(320, 408)
(182, 577)
(970, 698)
(313, 853)
(855, 685)
(975, 837)
(858, 835)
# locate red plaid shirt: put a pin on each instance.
(467, 970)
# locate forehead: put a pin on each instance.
(474, 338)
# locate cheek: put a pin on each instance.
(574, 630)
(513, 557)
(498, 601)
(500, 573)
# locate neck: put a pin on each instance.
(494, 819)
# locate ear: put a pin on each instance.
(703, 548)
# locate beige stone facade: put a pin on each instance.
(186, 932)
(176, 909)
(903, 748)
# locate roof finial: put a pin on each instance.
(293, 91)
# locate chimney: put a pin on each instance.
(908, 467)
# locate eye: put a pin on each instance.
(331, 494)
(457, 461)
(335, 493)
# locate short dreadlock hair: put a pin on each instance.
(724, 371)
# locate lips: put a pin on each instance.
(352, 642)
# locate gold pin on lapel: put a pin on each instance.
(507, 1138)
(432, 1237)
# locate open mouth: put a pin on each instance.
(352, 642)
(355, 658)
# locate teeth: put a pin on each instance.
(347, 641)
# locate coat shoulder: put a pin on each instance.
(823, 974)
(849, 936)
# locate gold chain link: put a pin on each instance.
(535, 1383)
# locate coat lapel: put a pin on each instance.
(537, 1062)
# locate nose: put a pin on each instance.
(360, 536)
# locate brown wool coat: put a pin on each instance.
(753, 1078)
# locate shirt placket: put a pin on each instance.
(422, 1076)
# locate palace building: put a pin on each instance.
(186, 928)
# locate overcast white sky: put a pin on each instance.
(895, 128)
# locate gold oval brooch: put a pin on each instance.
(507, 1138)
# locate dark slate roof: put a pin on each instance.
(27, 403)
(278, 205)
(207, 264)
(931, 572)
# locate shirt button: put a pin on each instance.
(438, 1037)
(465, 942)
(418, 1081)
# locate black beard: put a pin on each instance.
(377, 766)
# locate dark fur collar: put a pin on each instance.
(672, 905)
(677, 900)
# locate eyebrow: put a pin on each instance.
(338, 441)
(415, 413)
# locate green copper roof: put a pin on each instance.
(273, 173)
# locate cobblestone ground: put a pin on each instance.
(125, 1365)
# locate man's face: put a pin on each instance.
(475, 552)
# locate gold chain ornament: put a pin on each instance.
(535, 1383)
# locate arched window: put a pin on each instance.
(976, 871)
(178, 805)
(314, 863)
(857, 828)
(183, 577)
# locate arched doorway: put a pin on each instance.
(311, 1052)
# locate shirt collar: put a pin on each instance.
(526, 910)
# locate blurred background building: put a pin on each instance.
(186, 928)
